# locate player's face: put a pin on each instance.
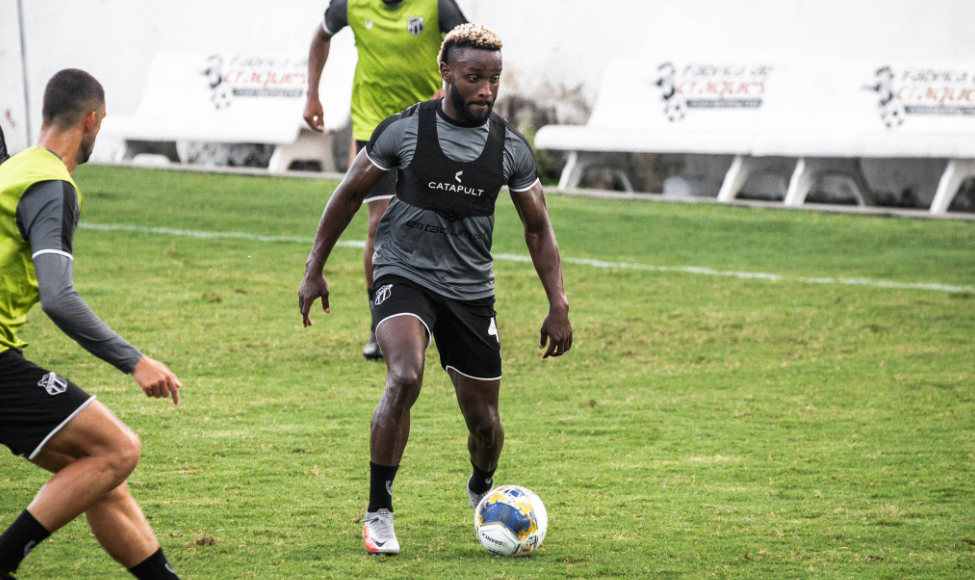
(475, 76)
(88, 141)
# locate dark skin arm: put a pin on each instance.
(556, 331)
(343, 205)
(317, 55)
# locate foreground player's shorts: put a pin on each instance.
(386, 188)
(466, 331)
(35, 404)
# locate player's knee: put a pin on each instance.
(487, 429)
(124, 456)
(403, 385)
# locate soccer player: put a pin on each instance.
(44, 416)
(398, 42)
(434, 277)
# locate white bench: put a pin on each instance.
(235, 99)
(819, 119)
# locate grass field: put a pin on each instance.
(701, 427)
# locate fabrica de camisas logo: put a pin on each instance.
(922, 91)
(248, 76)
(707, 86)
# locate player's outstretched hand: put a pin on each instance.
(314, 115)
(556, 333)
(312, 288)
(156, 380)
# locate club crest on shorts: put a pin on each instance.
(415, 25)
(383, 293)
(53, 384)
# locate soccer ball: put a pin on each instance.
(510, 521)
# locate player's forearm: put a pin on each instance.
(339, 211)
(544, 251)
(61, 302)
(317, 56)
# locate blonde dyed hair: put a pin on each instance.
(468, 36)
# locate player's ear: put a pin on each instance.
(445, 72)
(90, 120)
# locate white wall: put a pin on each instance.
(13, 110)
(550, 44)
(567, 42)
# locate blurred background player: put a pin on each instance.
(397, 42)
(434, 277)
(44, 416)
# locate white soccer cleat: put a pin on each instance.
(378, 534)
(477, 497)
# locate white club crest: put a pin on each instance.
(415, 25)
(53, 384)
(383, 293)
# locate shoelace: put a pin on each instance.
(382, 523)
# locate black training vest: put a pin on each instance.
(454, 189)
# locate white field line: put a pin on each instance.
(577, 261)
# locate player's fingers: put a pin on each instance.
(568, 343)
(543, 340)
(325, 305)
(174, 391)
(303, 307)
(552, 345)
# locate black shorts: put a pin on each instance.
(466, 331)
(34, 404)
(386, 188)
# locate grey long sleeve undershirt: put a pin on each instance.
(47, 216)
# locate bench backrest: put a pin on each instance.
(256, 97)
(795, 109)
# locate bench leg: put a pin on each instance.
(580, 161)
(808, 170)
(799, 185)
(955, 173)
(744, 168)
(735, 179)
(308, 146)
(571, 173)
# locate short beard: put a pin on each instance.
(84, 152)
(462, 107)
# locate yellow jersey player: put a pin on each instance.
(397, 42)
(44, 417)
